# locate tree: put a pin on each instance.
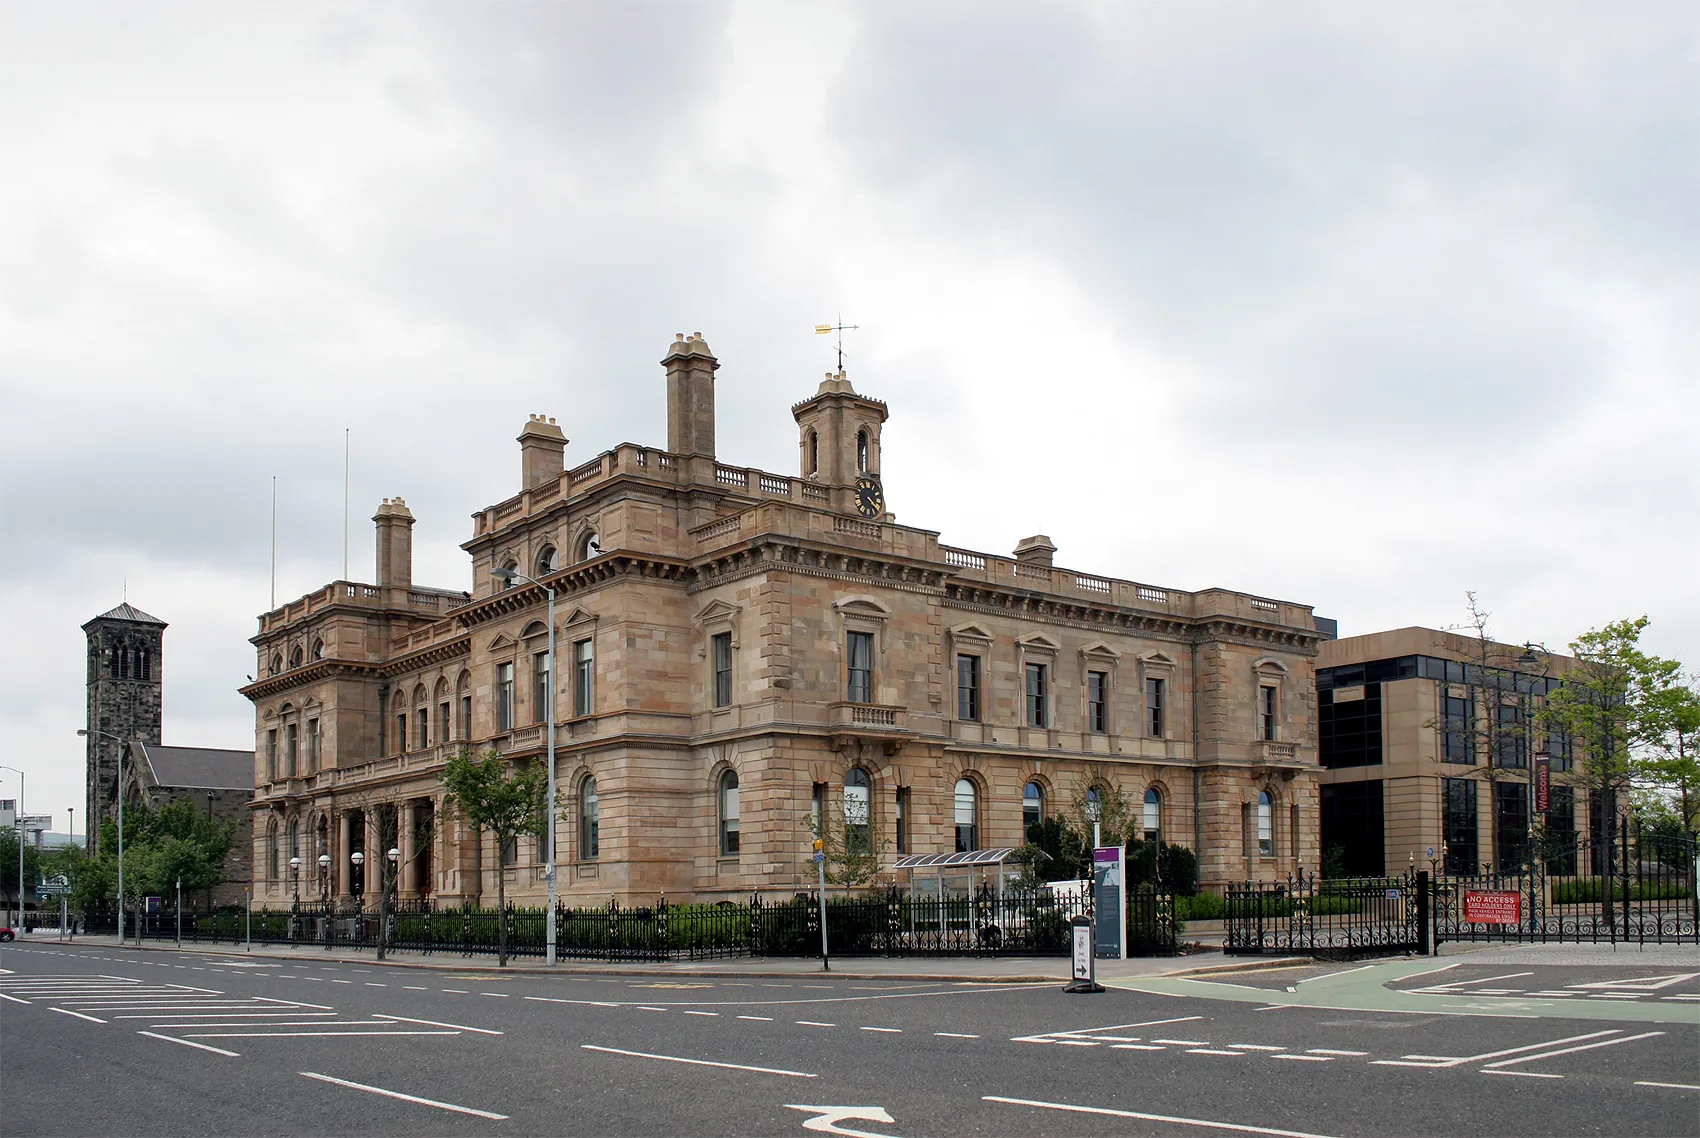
(853, 848)
(1614, 708)
(1055, 851)
(161, 846)
(1672, 763)
(9, 870)
(1117, 816)
(507, 800)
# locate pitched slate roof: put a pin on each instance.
(202, 768)
(128, 612)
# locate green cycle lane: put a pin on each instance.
(1364, 988)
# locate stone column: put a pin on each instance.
(406, 875)
(374, 874)
(339, 856)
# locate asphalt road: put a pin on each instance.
(97, 1040)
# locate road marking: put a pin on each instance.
(1460, 1060)
(691, 1013)
(498, 995)
(1169, 1118)
(1643, 983)
(1255, 1047)
(190, 1043)
(814, 1023)
(1136, 1047)
(891, 1030)
(438, 1023)
(1331, 1051)
(1331, 975)
(1184, 1042)
(342, 981)
(375, 984)
(642, 1008)
(700, 1062)
(955, 1035)
(1671, 1086)
(1569, 1050)
(251, 1014)
(1524, 1074)
(1213, 1051)
(763, 1019)
(457, 991)
(276, 1023)
(306, 1034)
(79, 1015)
(14, 999)
(1306, 1058)
(476, 1113)
(1072, 1042)
(1456, 984)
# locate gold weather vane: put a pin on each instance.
(840, 328)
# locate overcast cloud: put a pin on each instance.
(1353, 306)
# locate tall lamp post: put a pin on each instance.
(18, 816)
(121, 745)
(324, 878)
(514, 575)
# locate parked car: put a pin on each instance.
(7, 934)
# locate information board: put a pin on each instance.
(1493, 907)
(1108, 906)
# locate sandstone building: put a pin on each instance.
(1428, 740)
(742, 650)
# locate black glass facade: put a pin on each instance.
(1354, 828)
(1349, 731)
(1510, 825)
(1458, 825)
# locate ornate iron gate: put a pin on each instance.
(1330, 918)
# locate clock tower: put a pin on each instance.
(839, 445)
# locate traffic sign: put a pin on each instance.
(819, 856)
(51, 889)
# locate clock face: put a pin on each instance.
(870, 499)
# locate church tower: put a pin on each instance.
(124, 687)
(839, 439)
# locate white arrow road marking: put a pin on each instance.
(827, 1118)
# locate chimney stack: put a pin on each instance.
(542, 451)
(1035, 550)
(395, 543)
(690, 395)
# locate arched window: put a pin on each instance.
(589, 820)
(509, 566)
(1032, 809)
(967, 815)
(1265, 824)
(272, 850)
(295, 838)
(858, 812)
(729, 814)
(862, 451)
(814, 453)
(318, 649)
(548, 561)
(589, 546)
(277, 663)
(295, 656)
(1151, 819)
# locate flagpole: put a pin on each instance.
(345, 503)
(274, 541)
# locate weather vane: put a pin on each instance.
(840, 328)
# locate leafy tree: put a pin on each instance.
(9, 868)
(507, 800)
(853, 852)
(1055, 851)
(1613, 707)
(1117, 816)
(1672, 762)
(162, 845)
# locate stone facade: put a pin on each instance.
(126, 683)
(734, 645)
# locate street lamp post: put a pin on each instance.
(325, 896)
(18, 816)
(108, 735)
(513, 575)
(295, 904)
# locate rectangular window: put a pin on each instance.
(729, 816)
(1458, 825)
(291, 743)
(1511, 743)
(504, 697)
(540, 671)
(722, 645)
(1455, 739)
(510, 852)
(968, 688)
(444, 731)
(1349, 727)
(1561, 826)
(817, 808)
(1558, 746)
(421, 728)
(1036, 693)
(466, 717)
(584, 678)
(144, 665)
(271, 755)
(860, 653)
(1353, 828)
(313, 752)
(1154, 708)
(1511, 825)
(1266, 713)
(902, 819)
(401, 733)
(1098, 702)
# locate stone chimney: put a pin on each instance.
(1035, 550)
(690, 395)
(542, 451)
(395, 543)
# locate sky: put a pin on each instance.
(1353, 305)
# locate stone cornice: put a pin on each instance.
(1255, 635)
(574, 579)
(768, 552)
(431, 654)
(1045, 608)
(307, 674)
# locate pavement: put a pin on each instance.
(111, 1040)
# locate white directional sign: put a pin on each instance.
(827, 1118)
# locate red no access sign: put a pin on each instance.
(1493, 907)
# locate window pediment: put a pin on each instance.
(579, 616)
(1038, 642)
(502, 640)
(535, 628)
(1099, 650)
(718, 611)
(1269, 664)
(971, 632)
(1155, 659)
(861, 604)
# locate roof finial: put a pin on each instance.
(840, 328)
